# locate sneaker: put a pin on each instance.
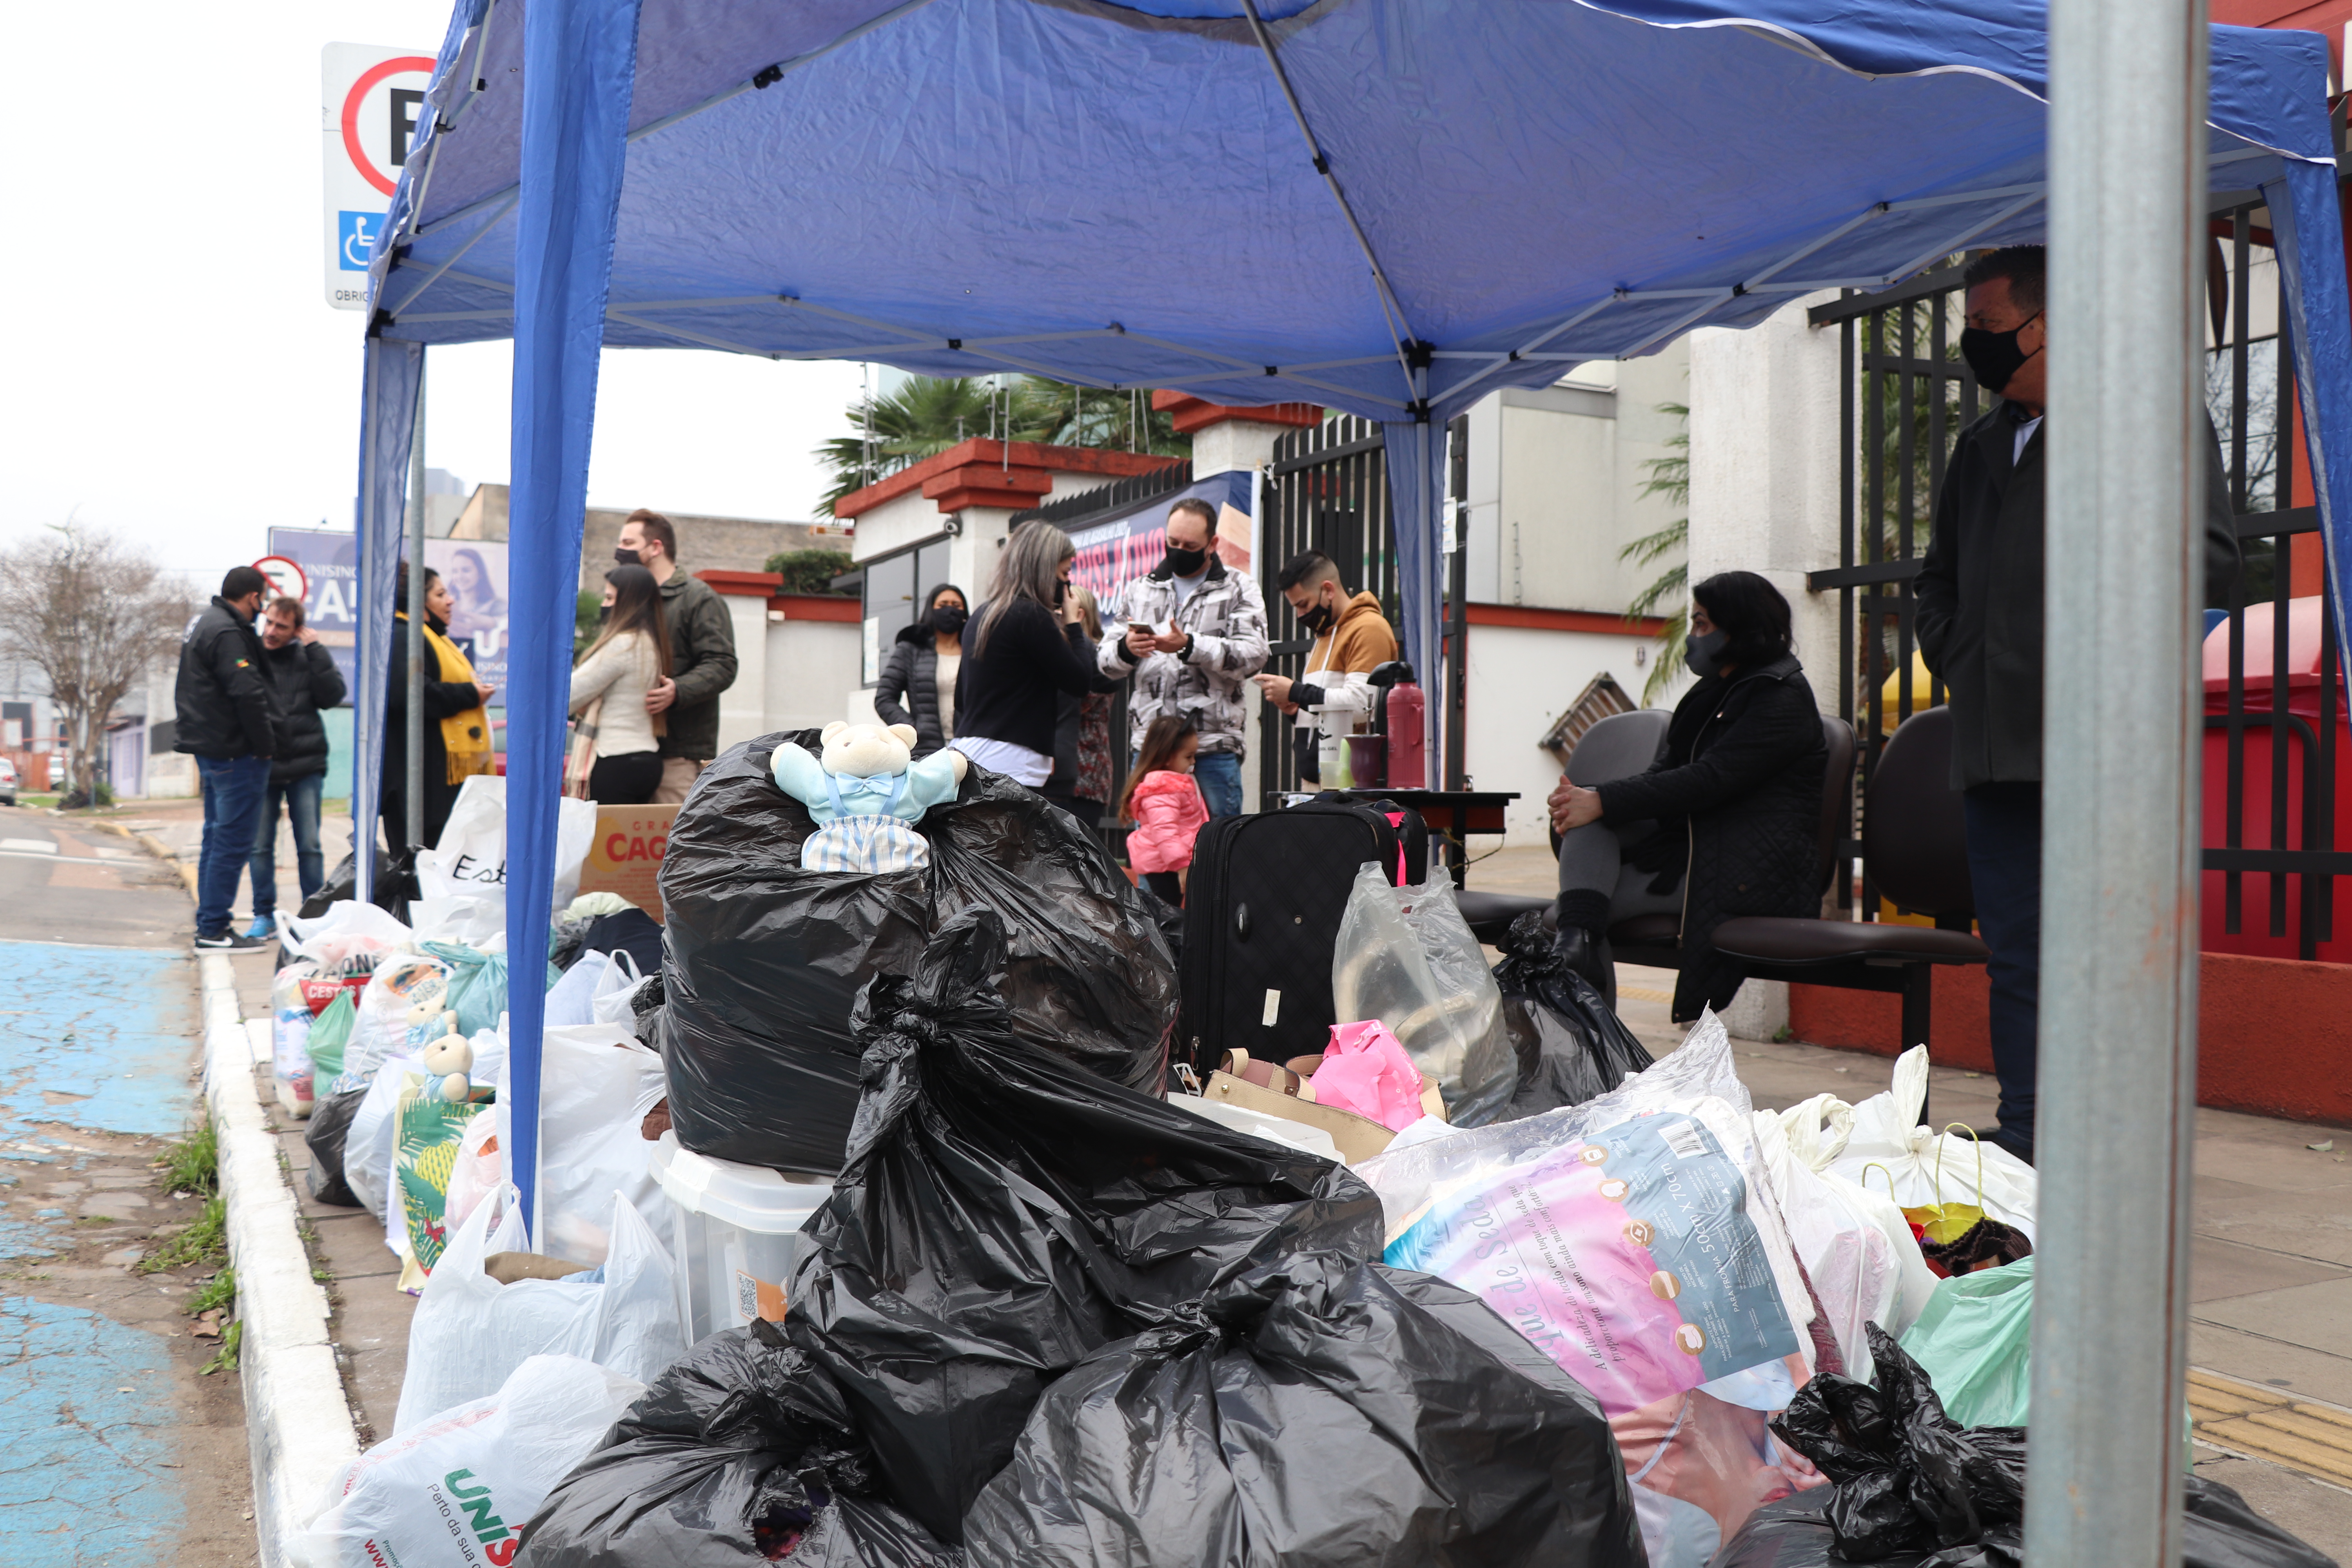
(230, 941)
(263, 928)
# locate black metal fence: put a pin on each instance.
(1907, 395)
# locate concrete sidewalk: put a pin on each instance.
(2271, 1276)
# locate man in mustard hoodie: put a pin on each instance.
(1353, 638)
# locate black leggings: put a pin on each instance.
(629, 779)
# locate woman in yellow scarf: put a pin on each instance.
(457, 720)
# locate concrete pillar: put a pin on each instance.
(1227, 439)
(1765, 440)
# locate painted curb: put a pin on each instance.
(297, 1421)
(150, 842)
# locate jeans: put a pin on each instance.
(232, 790)
(301, 798)
(1220, 777)
(2004, 825)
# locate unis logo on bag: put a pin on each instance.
(499, 1544)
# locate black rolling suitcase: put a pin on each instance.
(1261, 912)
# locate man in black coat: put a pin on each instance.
(1980, 619)
(303, 678)
(227, 719)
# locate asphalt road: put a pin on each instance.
(115, 1446)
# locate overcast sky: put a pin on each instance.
(172, 370)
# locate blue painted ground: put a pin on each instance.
(89, 1036)
(86, 1414)
(95, 1038)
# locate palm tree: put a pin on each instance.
(927, 415)
(1669, 476)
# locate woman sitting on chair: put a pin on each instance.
(1725, 822)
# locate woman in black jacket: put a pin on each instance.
(1026, 648)
(918, 678)
(462, 700)
(1725, 822)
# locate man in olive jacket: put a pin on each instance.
(1980, 619)
(702, 654)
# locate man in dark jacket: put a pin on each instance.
(227, 719)
(303, 678)
(1979, 607)
(702, 654)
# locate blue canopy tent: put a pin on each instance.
(1391, 208)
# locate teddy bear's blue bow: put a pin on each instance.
(850, 795)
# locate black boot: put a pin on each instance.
(1587, 954)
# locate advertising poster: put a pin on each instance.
(1115, 553)
(474, 569)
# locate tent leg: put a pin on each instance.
(2128, 179)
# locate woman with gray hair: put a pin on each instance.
(1027, 646)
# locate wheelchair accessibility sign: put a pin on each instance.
(372, 107)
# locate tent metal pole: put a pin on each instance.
(413, 802)
(2120, 798)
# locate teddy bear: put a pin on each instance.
(863, 791)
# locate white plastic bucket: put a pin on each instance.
(736, 1234)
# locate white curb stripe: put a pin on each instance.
(297, 1421)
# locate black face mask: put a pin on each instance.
(1316, 618)
(628, 558)
(1060, 592)
(604, 614)
(1994, 357)
(1704, 654)
(1184, 562)
(947, 620)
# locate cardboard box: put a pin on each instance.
(625, 854)
(1358, 1137)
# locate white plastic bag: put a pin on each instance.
(470, 858)
(457, 1490)
(1856, 1246)
(619, 983)
(480, 1169)
(290, 1035)
(570, 1001)
(380, 1031)
(596, 1085)
(470, 1332)
(348, 927)
(471, 921)
(367, 1145)
(1406, 957)
(1884, 1132)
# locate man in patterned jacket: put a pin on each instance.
(1192, 633)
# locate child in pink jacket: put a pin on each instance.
(1165, 804)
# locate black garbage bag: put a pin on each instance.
(1571, 1045)
(1004, 1212)
(325, 1132)
(765, 958)
(2218, 1530)
(1318, 1412)
(394, 885)
(739, 1454)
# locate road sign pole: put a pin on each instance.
(415, 799)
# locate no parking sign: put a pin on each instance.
(372, 110)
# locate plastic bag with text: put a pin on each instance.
(346, 930)
(457, 1490)
(469, 860)
(1635, 1240)
(1004, 1212)
(400, 985)
(470, 1332)
(1317, 1412)
(1406, 957)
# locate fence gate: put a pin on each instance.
(1906, 394)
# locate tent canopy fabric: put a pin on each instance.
(1122, 195)
(1391, 208)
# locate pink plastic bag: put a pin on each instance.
(1366, 1070)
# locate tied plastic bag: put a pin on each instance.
(329, 1036)
(612, 1000)
(596, 1085)
(470, 858)
(766, 957)
(369, 1146)
(380, 1031)
(1974, 1342)
(1004, 1212)
(1367, 1071)
(739, 1454)
(290, 1021)
(1857, 1248)
(1570, 1046)
(470, 1332)
(457, 1490)
(479, 1171)
(346, 930)
(1317, 1412)
(571, 1000)
(1635, 1240)
(326, 1135)
(1846, 1141)
(478, 984)
(1406, 957)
